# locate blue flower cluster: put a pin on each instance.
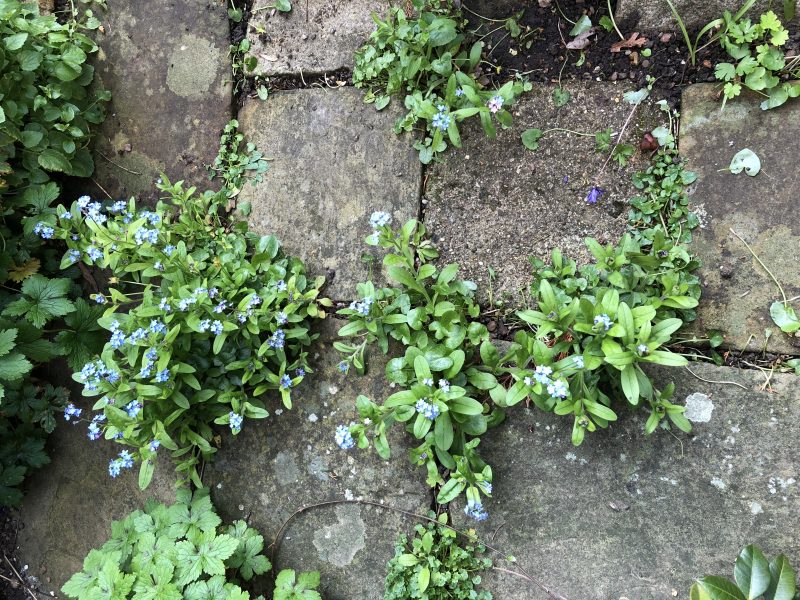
(362, 307)
(215, 327)
(143, 235)
(123, 461)
(603, 320)
(277, 340)
(380, 219)
(444, 385)
(558, 389)
(132, 408)
(344, 438)
(94, 427)
(495, 104)
(343, 366)
(430, 410)
(44, 230)
(235, 421)
(94, 372)
(72, 411)
(286, 382)
(475, 510)
(441, 120)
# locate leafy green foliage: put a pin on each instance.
(178, 552)
(754, 577)
(436, 565)
(427, 62)
(759, 59)
(48, 105)
(290, 586)
(236, 165)
(203, 320)
(585, 343)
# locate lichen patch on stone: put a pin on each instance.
(698, 408)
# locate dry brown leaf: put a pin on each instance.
(634, 41)
(579, 42)
(25, 270)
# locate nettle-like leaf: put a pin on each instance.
(247, 558)
(83, 337)
(42, 300)
(290, 586)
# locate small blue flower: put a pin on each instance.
(542, 374)
(114, 467)
(185, 303)
(286, 382)
(138, 335)
(344, 366)
(83, 201)
(300, 373)
(151, 354)
(74, 256)
(495, 104)
(235, 422)
(277, 340)
(603, 320)
(94, 431)
(157, 326)
(125, 459)
(428, 381)
(93, 253)
(594, 194)
(169, 249)
(112, 376)
(281, 318)
(118, 207)
(66, 216)
(441, 121)
(100, 298)
(216, 327)
(642, 349)
(164, 305)
(204, 325)
(380, 219)
(158, 265)
(256, 299)
(132, 408)
(427, 409)
(127, 218)
(143, 235)
(146, 370)
(44, 230)
(281, 286)
(162, 376)
(578, 360)
(213, 293)
(558, 389)
(444, 385)
(153, 446)
(459, 92)
(476, 511)
(344, 438)
(487, 487)
(221, 306)
(72, 411)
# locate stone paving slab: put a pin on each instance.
(166, 64)
(317, 36)
(655, 15)
(737, 291)
(632, 516)
(334, 160)
(290, 460)
(493, 203)
(69, 504)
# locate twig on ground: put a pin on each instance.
(102, 189)
(21, 580)
(711, 381)
(119, 166)
(276, 543)
(746, 245)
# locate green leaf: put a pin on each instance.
(725, 71)
(7, 337)
(784, 317)
(717, 588)
(15, 41)
(560, 98)
(423, 579)
(630, 384)
(751, 572)
(283, 5)
(13, 366)
(441, 31)
(581, 26)
(746, 160)
(783, 580)
(53, 160)
(530, 138)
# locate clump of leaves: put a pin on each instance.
(49, 106)
(427, 62)
(760, 61)
(175, 552)
(754, 576)
(201, 320)
(237, 162)
(438, 564)
(291, 586)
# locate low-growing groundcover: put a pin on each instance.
(181, 552)
(203, 318)
(48, 107)
(577, 354)
(436, 566)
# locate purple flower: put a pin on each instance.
(594, 194)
